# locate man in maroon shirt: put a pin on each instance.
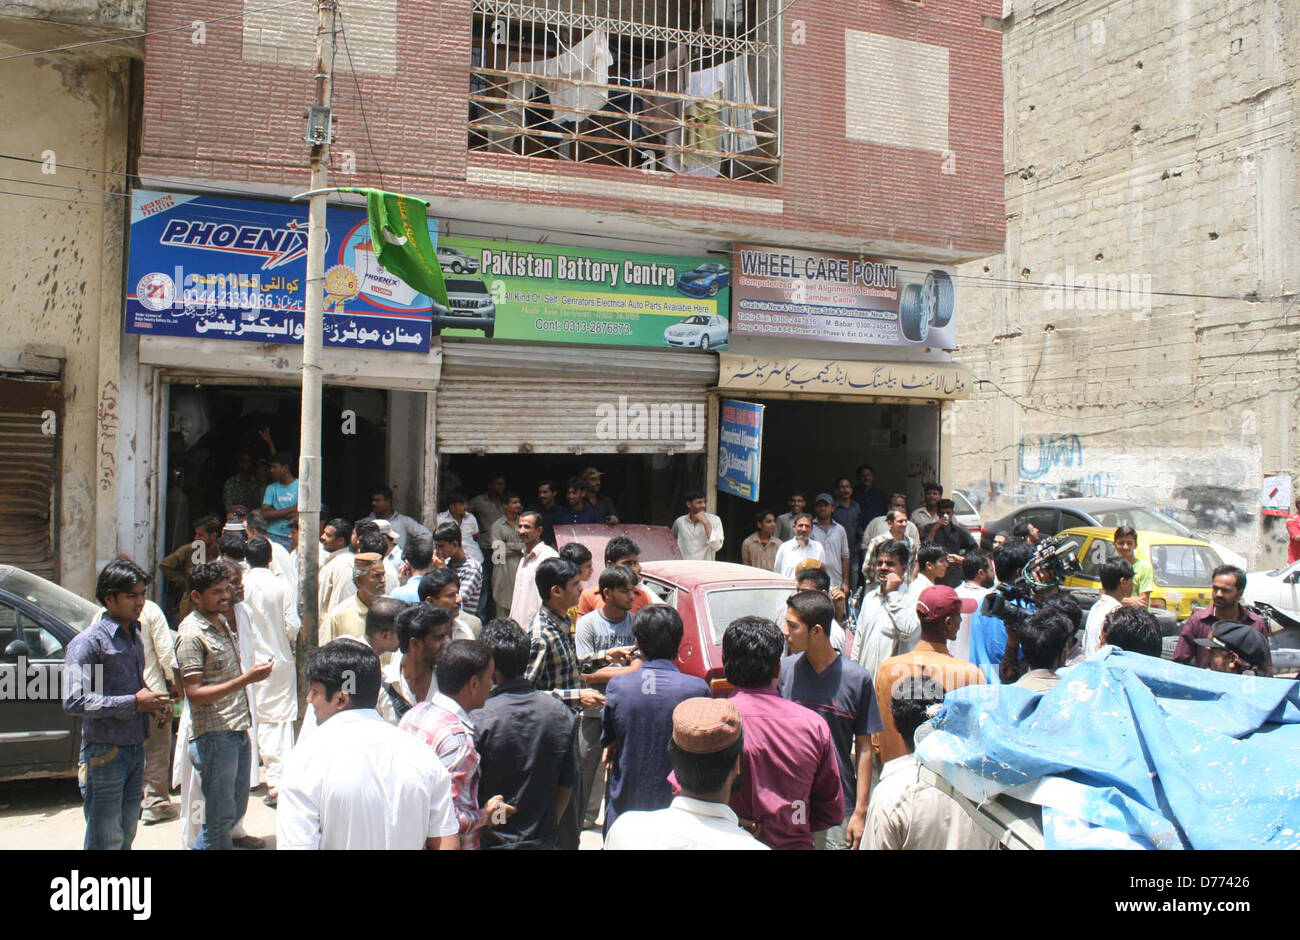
(1228, 585)
(1293, 535)
(789, 780)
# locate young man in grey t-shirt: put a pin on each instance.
(605, 646)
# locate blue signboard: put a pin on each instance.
(740, 449)
(212, 267)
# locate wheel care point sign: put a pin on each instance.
(841, 298)
(740, 449)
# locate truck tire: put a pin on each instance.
(938, 287)
(911, 315)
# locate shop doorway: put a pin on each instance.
(807, 444)
(647, 489)
(209, 426)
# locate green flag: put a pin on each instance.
(399, 235)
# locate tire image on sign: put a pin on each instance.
(912, 315)
(940, 296)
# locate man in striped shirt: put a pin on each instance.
(464, 674)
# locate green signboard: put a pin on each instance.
(559, 294)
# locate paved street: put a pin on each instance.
(46, 814)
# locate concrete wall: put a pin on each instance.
(62, 285)
(1151, 153)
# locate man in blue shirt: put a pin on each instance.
(103, 684)
(638, 720)
(988, 634)
(281, 499)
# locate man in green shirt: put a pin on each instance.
(1144, 582)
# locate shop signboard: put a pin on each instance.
(770, 375)
(560, 294)
(1276, 495)
(217, 268)
(740, 448)
(841, 298)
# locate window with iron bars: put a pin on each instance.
(677, 86)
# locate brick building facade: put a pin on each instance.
(881, 130)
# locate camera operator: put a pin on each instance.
(992, 627)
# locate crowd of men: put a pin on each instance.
(418, 724)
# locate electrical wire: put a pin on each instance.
(1196, 387)
(156, 32)
(361, 101)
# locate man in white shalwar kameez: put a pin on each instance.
(887, 623)
(335, 579)
(274, 615)
(283, 562)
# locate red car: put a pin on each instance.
(709, 595)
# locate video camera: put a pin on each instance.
(1054, 559)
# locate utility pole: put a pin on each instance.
(319, 128)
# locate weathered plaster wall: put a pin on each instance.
(62, 285)
(1141, 315)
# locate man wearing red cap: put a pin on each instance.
(939, 609)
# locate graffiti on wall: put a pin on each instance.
(1040, 455)
(1216, 498)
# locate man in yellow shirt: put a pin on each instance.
(348, 618)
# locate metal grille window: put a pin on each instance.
(681, 86)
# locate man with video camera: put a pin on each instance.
(1028, 575)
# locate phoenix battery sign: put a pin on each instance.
(842, 298)
(560, 294)
(217, 268)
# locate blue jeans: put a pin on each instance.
(222, 760)
(281, 540)
(111, 778)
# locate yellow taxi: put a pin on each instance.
(1181, 567)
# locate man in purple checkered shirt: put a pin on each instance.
(464, 673)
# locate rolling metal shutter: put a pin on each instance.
(502, 398)
(29, 474)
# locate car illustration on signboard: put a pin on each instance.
(705, 280)
(471, 307)
(702, 331)
(456, 261)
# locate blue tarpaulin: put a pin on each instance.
(1130, 749)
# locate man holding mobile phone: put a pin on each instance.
(952, 537)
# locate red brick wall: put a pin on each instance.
(208, 115)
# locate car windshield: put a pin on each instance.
(464, 285)
(75, 611)
(962, 505)
(1183, 565)
(696, 321)
(1142, 520)
(728, 604)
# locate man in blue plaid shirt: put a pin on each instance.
(553, 661)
